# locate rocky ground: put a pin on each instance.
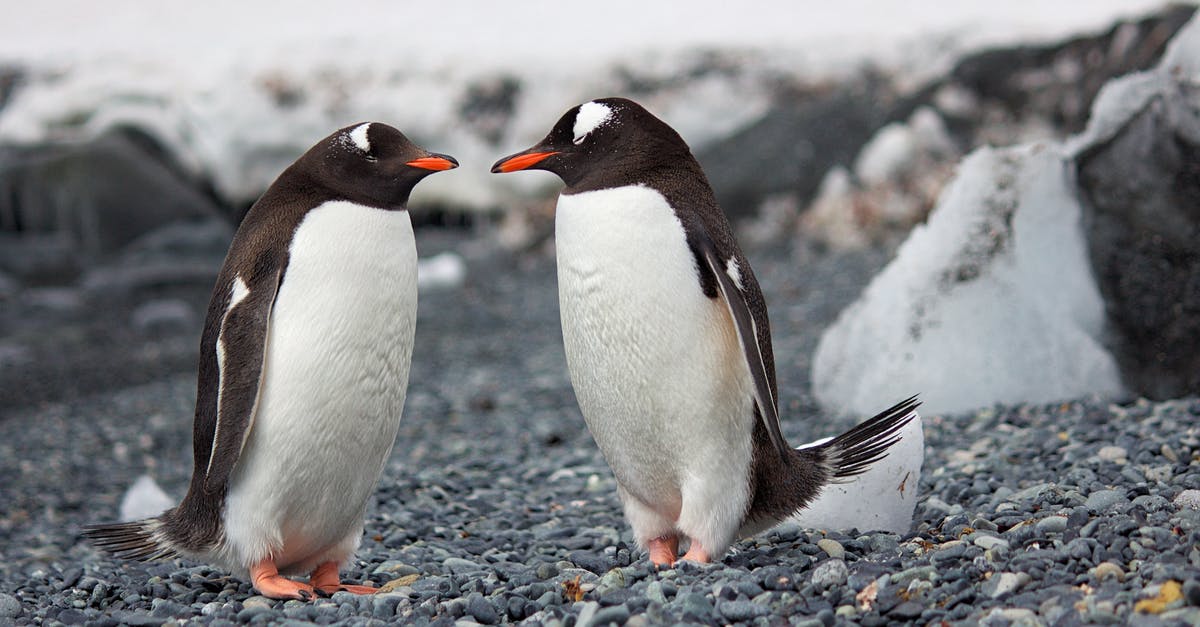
(496, 505)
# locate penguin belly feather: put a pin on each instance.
(655, 363)
(336, 372)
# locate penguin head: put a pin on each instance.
(372, 164)
(600, 138)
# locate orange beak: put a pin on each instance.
(521, 161)
(434, 162)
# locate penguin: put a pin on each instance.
(668, 344)
(304, 362)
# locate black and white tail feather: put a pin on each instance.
(140, 540)
(853, 452)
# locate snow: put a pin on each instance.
(882, 498)
(444, 270)
(238, 90)
(993, 300)
(144, 499)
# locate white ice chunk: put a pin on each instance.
(443, 270)
(144, 499)
(881, 499)
(992, 301)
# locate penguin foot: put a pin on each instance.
(696, 553)
(663, 550)
(325, 580)
(271, 584)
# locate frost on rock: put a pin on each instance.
(881, 499)
(992, 301)
(144, 499)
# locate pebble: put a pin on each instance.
(830, 572)
(832, 547)
(742, 610)
(10, 607)
(1052, 524)
(1000, 584)
(1114, 454)
(1188, 499)
(991, 543)
(1107, 570)
(1104, 500)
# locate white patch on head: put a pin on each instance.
(734, 272)
(359, 137)
(591, 116)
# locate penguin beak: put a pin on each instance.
(434, 162)
(522, 160)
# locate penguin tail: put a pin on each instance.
(141, 540)
(853, 452)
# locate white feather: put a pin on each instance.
(359, 137)
(335, 378)
(590, 116)
(656, 365)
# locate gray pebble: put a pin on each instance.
(830, 572)
(10, 607)
(1001, 584)
(1104, 500)
(1052, 524)
(1188, 499)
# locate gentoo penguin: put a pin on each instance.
(668, 343)
(304, 363)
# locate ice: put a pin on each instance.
(443, 270)
(881, 499)
(144, 499)
(993, 300)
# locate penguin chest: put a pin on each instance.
(655, 363)
(333, 389)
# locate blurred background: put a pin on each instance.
(133, 137)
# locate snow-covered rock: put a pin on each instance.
(144, 499)
(992, 301)
(996, 298)
(882, 498)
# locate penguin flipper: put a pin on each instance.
(241, 347)
(747, 332)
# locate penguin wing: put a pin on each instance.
(747, 332)
(241, 350)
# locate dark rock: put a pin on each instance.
(64, 206)
(790, 149)
(1144, 238)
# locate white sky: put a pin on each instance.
(493, 32)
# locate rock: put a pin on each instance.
(830, 572)
(988, 543)
(832, 548)
(738, 611)
(1107, 570)
(1001, 584)
(1137, 170)
(482, 610)
(68, 205)
(144, 499)
(10, 607)
(1188, 499)
(794, 145)
(1114, 454)
(1104, 500)
(967, 293)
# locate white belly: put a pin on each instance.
(336, 374)
(655, 363)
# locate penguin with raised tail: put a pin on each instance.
(668, 344)
(304, 363)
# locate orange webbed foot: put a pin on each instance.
(269, 583)
(696, 553)
(663, 550)
(325, 580)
